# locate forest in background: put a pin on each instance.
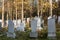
(29, 8)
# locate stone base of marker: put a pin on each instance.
(52, 35)
(34, 34)
(52, 38)
(12, 35)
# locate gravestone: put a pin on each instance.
(39, 23)
(6, 23)
(14, 21)
(28, 19)
(24, 23)
(55, 17)
(51, 27)
(10, 32)
(18, 23)
(28, 22)
(21, 26)
(59, 19)
(42, 24)
(33, 28)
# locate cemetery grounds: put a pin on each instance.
(42, 35)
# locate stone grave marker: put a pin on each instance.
(51, 27)
(21, 26)
(6, 23)
(14, 21)
(33, 28)
(39, 22)
(11, 32)
(28, 19)
(18, 23)
(42, 24)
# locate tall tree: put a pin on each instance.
(22, 11)
(2, 13)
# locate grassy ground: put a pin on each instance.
(25, 36)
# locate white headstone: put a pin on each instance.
(24, 23)
(28, 19)
(42, 24)
(33, 28)
(18, 23)
(11, 29)
(14, 21)
(51, 27)
(55, 17)
(58, 19)
(21, 26)
(1, 22)
(7, 23)
(39, 22)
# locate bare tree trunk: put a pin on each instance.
(9, 11)
(31, 9)
(7, 18)
(16, 11)
(3, 13)
(41, 8)
(22, 11)
(7, 14)
(38, 7)
(50, 1)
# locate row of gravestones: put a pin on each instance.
(34, 33)
(34, 27)
(20, 25)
